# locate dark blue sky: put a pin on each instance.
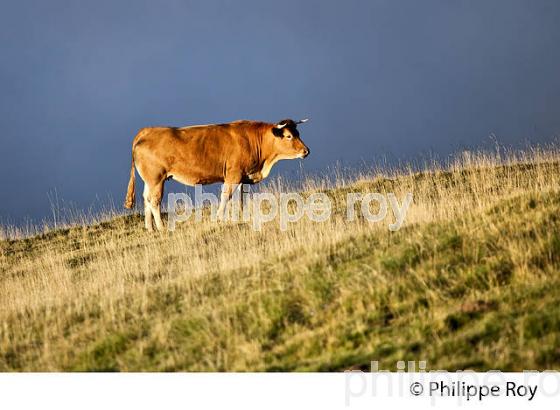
(377, 78)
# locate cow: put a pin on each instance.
(240, 152)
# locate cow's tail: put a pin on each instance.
(131, 192)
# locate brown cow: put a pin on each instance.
(234, 153)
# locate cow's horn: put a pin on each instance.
(302, 121)
(280, 126)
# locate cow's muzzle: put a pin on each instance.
(305, 153)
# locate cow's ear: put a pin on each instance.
(277, 132)
(278, 129)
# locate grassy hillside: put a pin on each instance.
(470, 281)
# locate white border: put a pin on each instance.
(352, 390)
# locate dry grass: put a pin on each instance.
(469, 282)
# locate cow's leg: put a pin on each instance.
(237, 207)
(227, 191)
(232, 181)
(147, 208)
(242, 203)
(156, 194)
(154, 177)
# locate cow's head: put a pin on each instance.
(288, 144)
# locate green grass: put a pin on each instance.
(479, 291)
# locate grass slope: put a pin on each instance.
(470, 282)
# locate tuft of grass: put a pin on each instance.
(469, 282)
